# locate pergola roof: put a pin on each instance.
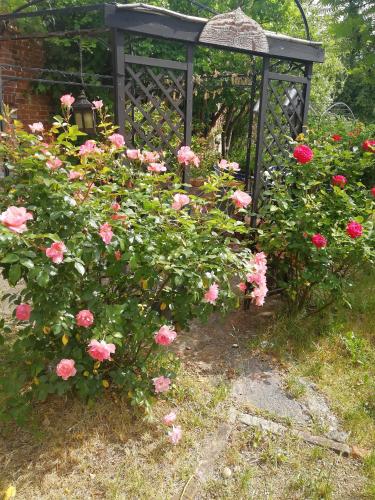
(141, 18)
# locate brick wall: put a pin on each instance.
(19, 94)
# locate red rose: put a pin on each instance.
(303, 154)
(339, 180)
(319, 240)
(373, 191)
(354, 229)
(369, 146)
(337, 138)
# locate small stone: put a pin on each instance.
(188, 348)
(235, 345)
(226, 472)
(93, 476)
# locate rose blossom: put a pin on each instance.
(186, 156)
(303, 154)
(337, 138)
(56, 252)
(259, 294)
(74, 174)
(369, 146)
(85, 318)
(97, 104)
(242, 287)
(161, 384)
(241, 199)
(89, 147)
(14, 218)
(231, 166)
(175, 435)
(54, 163)
(165, 335)
(118, 255)
(66, 368)
(157, 167)
(115, 206)
(257, 278)
(339, 180)
(36, 127)
(23, 312)
(319, 240)
(354, 229)
(212, 294)
(180, 200)
(106, 233)
(117, 140)
(67, 100)
(149, 157)
(170, 418)
(133, 154)
(100, 351)
(373, 191)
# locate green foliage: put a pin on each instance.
(154, 272)
(300, 201)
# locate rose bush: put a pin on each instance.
(316, 220)
(112, 259)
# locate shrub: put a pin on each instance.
(317, 220)
(112, 259)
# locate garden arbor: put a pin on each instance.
(154, 97)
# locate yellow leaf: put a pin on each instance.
(86, 373)
(300, 137)
(95, 372)
(46, 329)
(163, 306)
(78, 336)
(36, 381)
(10, 492)
(105, 384)
(97, 364)
(130, 394)
(65, 339)
(144, 284)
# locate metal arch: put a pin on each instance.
(343, 104)
(304, 18)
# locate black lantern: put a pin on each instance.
(84, 114)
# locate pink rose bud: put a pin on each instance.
(89, 147)
(56, 252)
(23, 312)
(339, 180)
(15, 218)
(74, 175)
(97, 104)
(212, 294)
(106, 233)
(369, 146)
(241, 199)
(165, 336)
(354, 229)
(67, 100)
(85, 318)
(133, 154)
(54, 163)
(319, 240)
(175, 435)
(115, 206)
(179, 201)
(242, 287)
(101, 351)
(117, 140)
(157, 167)
(170, 418)
(303, 154)
(36, 127)
(66, 368)
(161, 384)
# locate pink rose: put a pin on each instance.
(373, 191)
(231, 166)
(180, 200)
(157, 167)
(67, 100)
(161, 384)
(117, 140)
(354, 229)
(185, 156)
(165, 335)
(97, 104)
(175, 435)
(23, 312)
(339, 180)
(259, 294)
(369, 146)
(170, 418)
(14, 218)
(337, 137)
(101, 351)
(89, 147)
(212, 294)
(54, 163)
(73, 175)
(115, 206)
(133, 154)
(241, 199)
(319, 240)
(66, 368)
(303, 154)
(56, 252)
(149, 157)
(242, 287)
(106, 233)
(257, 278)
(36, 127)
(85, 318)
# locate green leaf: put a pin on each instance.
(10, 259)
(43, 279)
(27, 263)
(14, 274)
(80, 268)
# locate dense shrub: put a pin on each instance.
(317, 218)
(112, 261)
